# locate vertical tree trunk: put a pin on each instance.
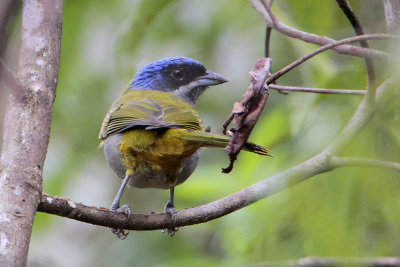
(27, 127)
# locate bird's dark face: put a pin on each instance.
(181, 76)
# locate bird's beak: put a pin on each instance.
(211, 78)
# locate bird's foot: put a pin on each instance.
(125, 209)
(170, 209)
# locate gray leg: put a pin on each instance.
(120, 233)
(170, 209)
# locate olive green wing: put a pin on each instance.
(159, 111)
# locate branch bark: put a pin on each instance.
(27, 127)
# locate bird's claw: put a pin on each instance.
(120, 233)
(125, 209)
(170, 209)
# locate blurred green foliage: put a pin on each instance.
(351, 211)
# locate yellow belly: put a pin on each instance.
(159, 153)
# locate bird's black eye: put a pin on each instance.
(178, 74)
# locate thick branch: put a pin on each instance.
(313, 38)
(27, 127)
(285, 88)
(67, 208)
(323, 162)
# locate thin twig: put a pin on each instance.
(301, 60)
(341, 161)
(351, 16)
(313, 38)
(267, 41)
(286, 88)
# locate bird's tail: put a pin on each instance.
(214, 140)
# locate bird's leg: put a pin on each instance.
(125, 209)
(170, 209)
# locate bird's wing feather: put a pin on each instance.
(152, 110)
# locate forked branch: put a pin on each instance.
(277, 25)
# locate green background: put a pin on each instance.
(350, 212)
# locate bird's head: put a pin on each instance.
(181, 76)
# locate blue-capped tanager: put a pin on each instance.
(152, 133)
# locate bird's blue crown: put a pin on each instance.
(151, 76)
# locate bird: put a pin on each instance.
(152, 134)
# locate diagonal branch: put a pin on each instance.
(67, 208)
(313, 38)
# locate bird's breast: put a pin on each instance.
(155, 158)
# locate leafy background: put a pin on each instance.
(347, 212)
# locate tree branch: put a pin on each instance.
(323, 162)
(27, 128)
(99, 216)
(301, 60)
(348, 11)
(392, 15)
(246, 113)
(267, 41)
(313, 38)
(286, 88)
(340, 162)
